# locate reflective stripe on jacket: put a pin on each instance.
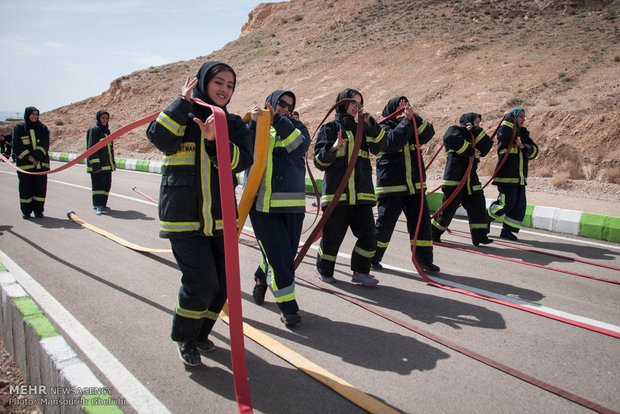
(459, 150)
(397, 166)
(515, 170)
(33, 142)
(189, 199)
(359, 189)
(283, 186)
(104, 158)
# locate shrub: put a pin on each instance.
(545, 172)
(458, 50)
(514, 102)
(298, 17)
(58, 123)
(588, 171)
(611, 175)
(560, 179)
(609, 15)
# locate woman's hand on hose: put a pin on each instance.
(338, 143)
(207, 127)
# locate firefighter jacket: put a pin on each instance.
(31, 139)
(459, 149)
(283, 186)
(5, 144)
(514, 171)
(397, 165)
(359, 189)
(189, 196)
(102, 160)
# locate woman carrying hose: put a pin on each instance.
(511, 176)
(398, 183)
(190, 209)
(278, 212)
(462, 142)
(332, 152)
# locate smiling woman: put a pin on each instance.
(190, 202)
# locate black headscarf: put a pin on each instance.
(469, 117)
(392, 105)
(346, 94)
(104, 128)
(275, 96)
(27, 112)
(205, 74)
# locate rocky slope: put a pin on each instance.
(558, 59)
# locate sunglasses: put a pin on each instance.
(285, 105)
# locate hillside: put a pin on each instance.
(560, 60)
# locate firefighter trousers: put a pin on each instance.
(475, 205)
(361, 221)
(32, 191)
(101, 184)
(278, 235)
(203, 286)
(511, 203)
(389, 209)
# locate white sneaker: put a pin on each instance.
(364, 279)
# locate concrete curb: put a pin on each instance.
(578, 223)
(60, 380)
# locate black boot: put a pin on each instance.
(290, 319)
(508, 235)
(484, 240)
(258, 294)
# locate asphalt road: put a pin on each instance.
(125, 302)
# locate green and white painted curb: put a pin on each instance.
(122, 163)
(578, 223)
(57, 378)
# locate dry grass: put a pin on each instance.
(560, 179)
(588, 171)
(611, 175)
(544, 172)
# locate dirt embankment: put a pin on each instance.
(560, 60)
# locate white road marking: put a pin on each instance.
(136, 394)
(520, 302)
